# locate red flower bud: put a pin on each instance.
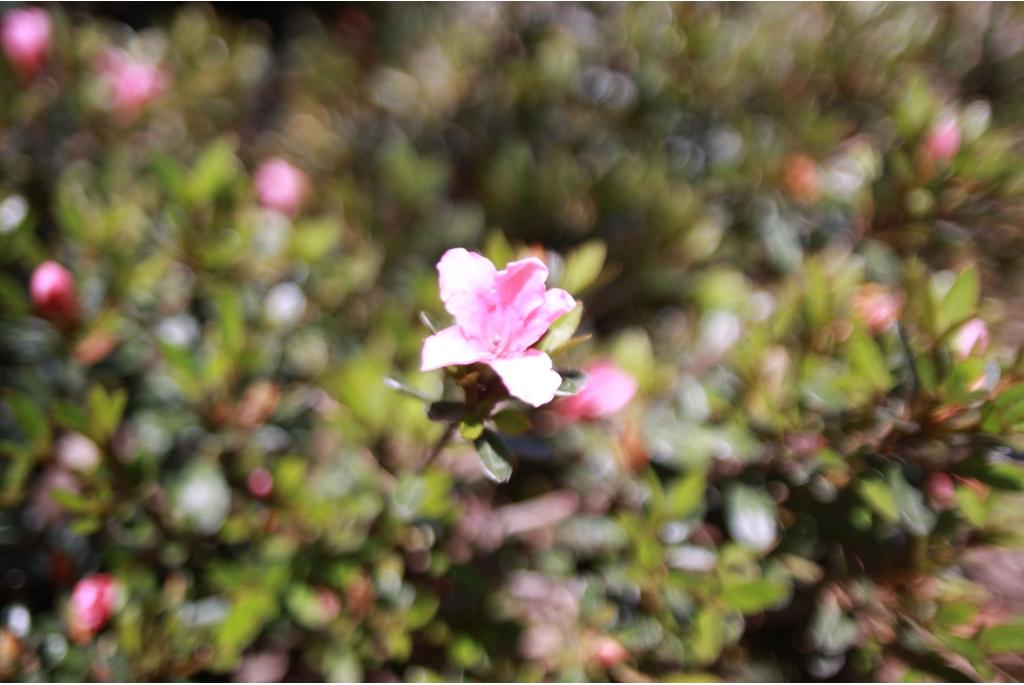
(52, 290)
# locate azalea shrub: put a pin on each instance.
(513, 342)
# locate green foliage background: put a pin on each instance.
(761, 510)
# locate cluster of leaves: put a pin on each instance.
(789, 496)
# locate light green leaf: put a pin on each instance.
(471, 428)
(880, 498)
(961, 302)
(561, 330)
(1004, 639)
(686, 494)
(866, 360)
(754, 596)
(583, 266)
(918, 518)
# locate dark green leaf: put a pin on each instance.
(573, 380)
(446, 411)
(918, 518)
(494, 456)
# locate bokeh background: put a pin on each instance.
(797, 227)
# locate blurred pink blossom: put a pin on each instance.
(972, 337)
(92, 603)
(608, 652)
(132, 83)
(877, 306)
(943, 140)
(260, 482)
(25, 35)
(607, 390)
(52, 290)
(280, 185)
(498, 316)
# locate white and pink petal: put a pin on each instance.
(529, 377)
(449, 347)
(467, 285)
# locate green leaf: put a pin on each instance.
(511, 421)
(498, 249)
(573, 381)
(961, 302)
(754, 596)
(750, 517)
(231, 318)
(214, 170)
(471, 428)
(1005, 639)
(72, 501)
(879, 497)
(253, 607)
(917, 518)
(494, 456)
(29, 417)
(71, 416)
(561, 330)
(866, 360)
(972, 506)
(446, 411)
(105, 411)
(685, 495)
(707, 637)
(583, 266)
(304, 604)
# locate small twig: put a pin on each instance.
(441, 443)
(914, 378)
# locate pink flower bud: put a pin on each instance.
(608, 652)
(52, 289)
(329, 602)
(943, 140)
(260, 482)
(25, 35)
(941, 489)
(877, 306)
(92, 603)
(280, 186)
(800, 174)
(607, 390)
(77, 452)
(972, 337)
(132, 83)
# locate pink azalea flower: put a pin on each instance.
(52, 290)
(499, 315)
(92, 602)
(607, 390)
(280, 185)
(877, 306)
(943, 140)
(132, 83)
(972, 337)
(25, 36)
